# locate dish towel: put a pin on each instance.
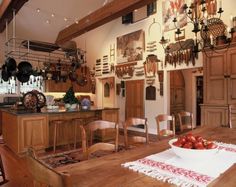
(168, 167)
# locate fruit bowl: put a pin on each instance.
(193, 154)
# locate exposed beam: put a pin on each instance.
(7, 14)
(3, 7)
(107, 13)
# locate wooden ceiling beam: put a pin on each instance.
(7, 13)
(107, 13)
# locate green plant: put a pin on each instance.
(70, 96)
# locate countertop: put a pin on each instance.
(54, 111)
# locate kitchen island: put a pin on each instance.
(22, 129)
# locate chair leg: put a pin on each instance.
(55, 138)
(75, 136)
(2, 170)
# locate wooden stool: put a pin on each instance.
(56, 123)
(77, 122)
(2, 172)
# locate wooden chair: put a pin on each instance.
(2, 172)
(168, 131)
(185, 120)
(102, 146)
(43, 175)
(231, 116)
(134, 122)
(56, 124)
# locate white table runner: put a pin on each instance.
(168, 167)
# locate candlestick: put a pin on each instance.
(211, 39)
(220, 3)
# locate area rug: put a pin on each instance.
(61, 159)
(168, 167)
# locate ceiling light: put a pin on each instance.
(53, 15)
(48, 21)
(76, 21)
(38, 10)
(65, 19)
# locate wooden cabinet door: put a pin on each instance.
(215, 83)
(231, 78)
(134, 101)
(33, 132)
(214, 116)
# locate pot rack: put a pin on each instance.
(48, 53)
(21, 49)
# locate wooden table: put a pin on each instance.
(107, 170)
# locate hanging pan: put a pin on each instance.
(5, 74)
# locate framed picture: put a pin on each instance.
(180, 36)
(170, 10)
(130, 47)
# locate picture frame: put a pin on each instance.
(180, 36)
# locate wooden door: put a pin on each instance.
(177, 92)
(231, 76)
(215, 83)
(134, 103)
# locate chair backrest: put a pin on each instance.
(44, 175)
(135, 122)
(185, 120)
(101, 146)
(168, 131)
(231, 115)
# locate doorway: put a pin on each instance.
(186, 92)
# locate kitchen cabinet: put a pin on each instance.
(219, 84)
(52, 86)
(83, 83)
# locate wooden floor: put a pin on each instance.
(16, 169)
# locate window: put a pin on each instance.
(11, 86)
(34, 83)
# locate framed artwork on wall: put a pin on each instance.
(130, 47)
(170, 10)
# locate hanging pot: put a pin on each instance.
(22, 77)
(10, 64)
(5, 74)
(25, 67)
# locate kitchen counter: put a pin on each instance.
(21, 128)
(53, 111)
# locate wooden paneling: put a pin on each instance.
(52, 86)
(231, 59)
(33, 131)
(134, 105)
(107, 13)
(215, 84)
(214, 116)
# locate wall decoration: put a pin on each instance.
(98, 68)
(161, 80)
(118, 88)
(105, 65)
(180, 36)
(130, 47)
(170, 10)
(151, 92)
(125, 71)
(151, 65)
(180, 52)
(106, 89)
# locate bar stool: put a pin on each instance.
(2, 172)
(57, 123)
(77, 122)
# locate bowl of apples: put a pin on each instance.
(193, 147)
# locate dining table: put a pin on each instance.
(108, 170)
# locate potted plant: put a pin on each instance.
(69, 99)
